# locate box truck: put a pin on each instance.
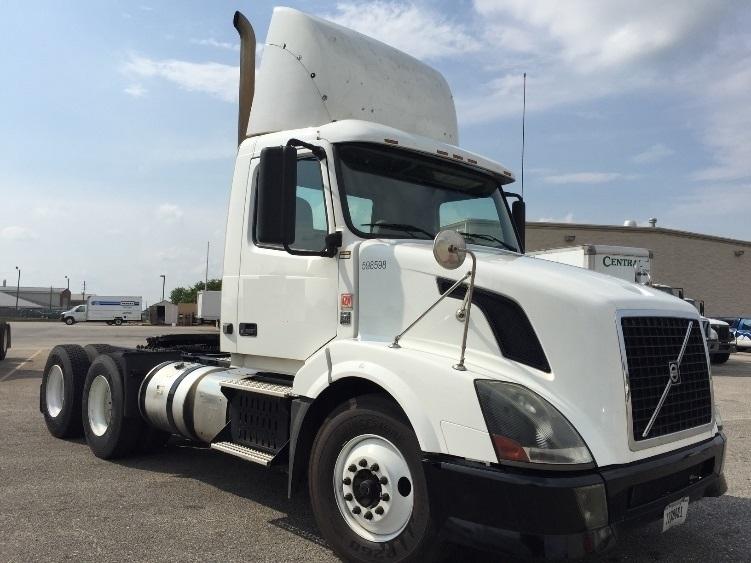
(112, 309)
(624, 262)
(209, 306)
(427, 384)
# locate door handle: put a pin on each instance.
(248, 329)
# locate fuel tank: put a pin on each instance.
(186, 399)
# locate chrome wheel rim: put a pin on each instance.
(373, 488)
(55, 391)
(100, 405)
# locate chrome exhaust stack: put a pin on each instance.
(247, 73)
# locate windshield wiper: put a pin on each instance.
(489, 237)
(409, 229)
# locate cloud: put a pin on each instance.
(216, 79)
(169, 213)
(584, 178)
(417, 30)
(17, 233)
(655, 153)
(211, 42)
(135, 90)
(568, 218)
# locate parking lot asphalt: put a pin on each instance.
(187, 503)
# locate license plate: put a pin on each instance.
(675, 514)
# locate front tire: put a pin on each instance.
(108, 433)
(61, 390)
(367, 487)
(719, 358)
(70, 320)
(118, 322)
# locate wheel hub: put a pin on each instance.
(100, 405)
(55, 391)
(366, 476)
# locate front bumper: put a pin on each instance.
(719, 347)
(540, 514)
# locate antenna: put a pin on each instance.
(524, 116)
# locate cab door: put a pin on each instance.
(287, 304)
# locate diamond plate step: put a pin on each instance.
(262, 387)
(248, 454)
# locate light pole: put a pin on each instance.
(164, 280)
(68, 280)
(18, 287)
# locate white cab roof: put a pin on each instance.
(314, 72)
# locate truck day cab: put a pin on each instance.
(426, 385)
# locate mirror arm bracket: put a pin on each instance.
(318, 151)
(395, 343)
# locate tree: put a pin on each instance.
(190, 294)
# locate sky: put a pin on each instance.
(118, 120)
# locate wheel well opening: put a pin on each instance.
(337, 393)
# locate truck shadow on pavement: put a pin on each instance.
(715, 529)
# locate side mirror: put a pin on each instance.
(277, 186)
(519, 213)
(449, 249)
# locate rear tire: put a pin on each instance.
(356, 525)
(118, 322)
(70, 320)
(719, 358)
(108, 433)
(4, 339)
(61, 390)
(94, 350)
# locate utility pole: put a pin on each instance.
(50, 300)
(206, 279)
(18, 287)
(83, 295)
(164, 280)
(68, 280)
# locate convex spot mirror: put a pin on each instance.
(277, 187)
(449, 249)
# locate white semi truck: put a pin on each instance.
(112, 309)
(427, 385)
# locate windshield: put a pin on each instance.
(392, 193)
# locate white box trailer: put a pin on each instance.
(561, 413)
(112, 309)
(625, 262)
(209, 305)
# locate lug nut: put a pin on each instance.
(363, 463)
(379, 510)
(347, 481)
(348, 496)
(356, 510)
(368, 515)
(385, 497)
(352, 468)
(374, 467)
(383, 480)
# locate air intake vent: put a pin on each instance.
(652, 344)
(510, 325)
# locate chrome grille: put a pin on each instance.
(651, 344)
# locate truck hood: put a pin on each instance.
(573, 312)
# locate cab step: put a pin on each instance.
(244, 452)
(251, 385)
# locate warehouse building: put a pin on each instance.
(44, 296)
(714, 269)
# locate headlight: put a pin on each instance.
(713, 334)
(525, 428)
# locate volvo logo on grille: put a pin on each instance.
(674, 378)
(675, 373)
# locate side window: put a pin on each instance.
(360, 212)
(80, 309)
(311, 225)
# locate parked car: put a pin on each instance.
(740, 328)
(720, 342)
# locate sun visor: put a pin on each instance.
(315, 72)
